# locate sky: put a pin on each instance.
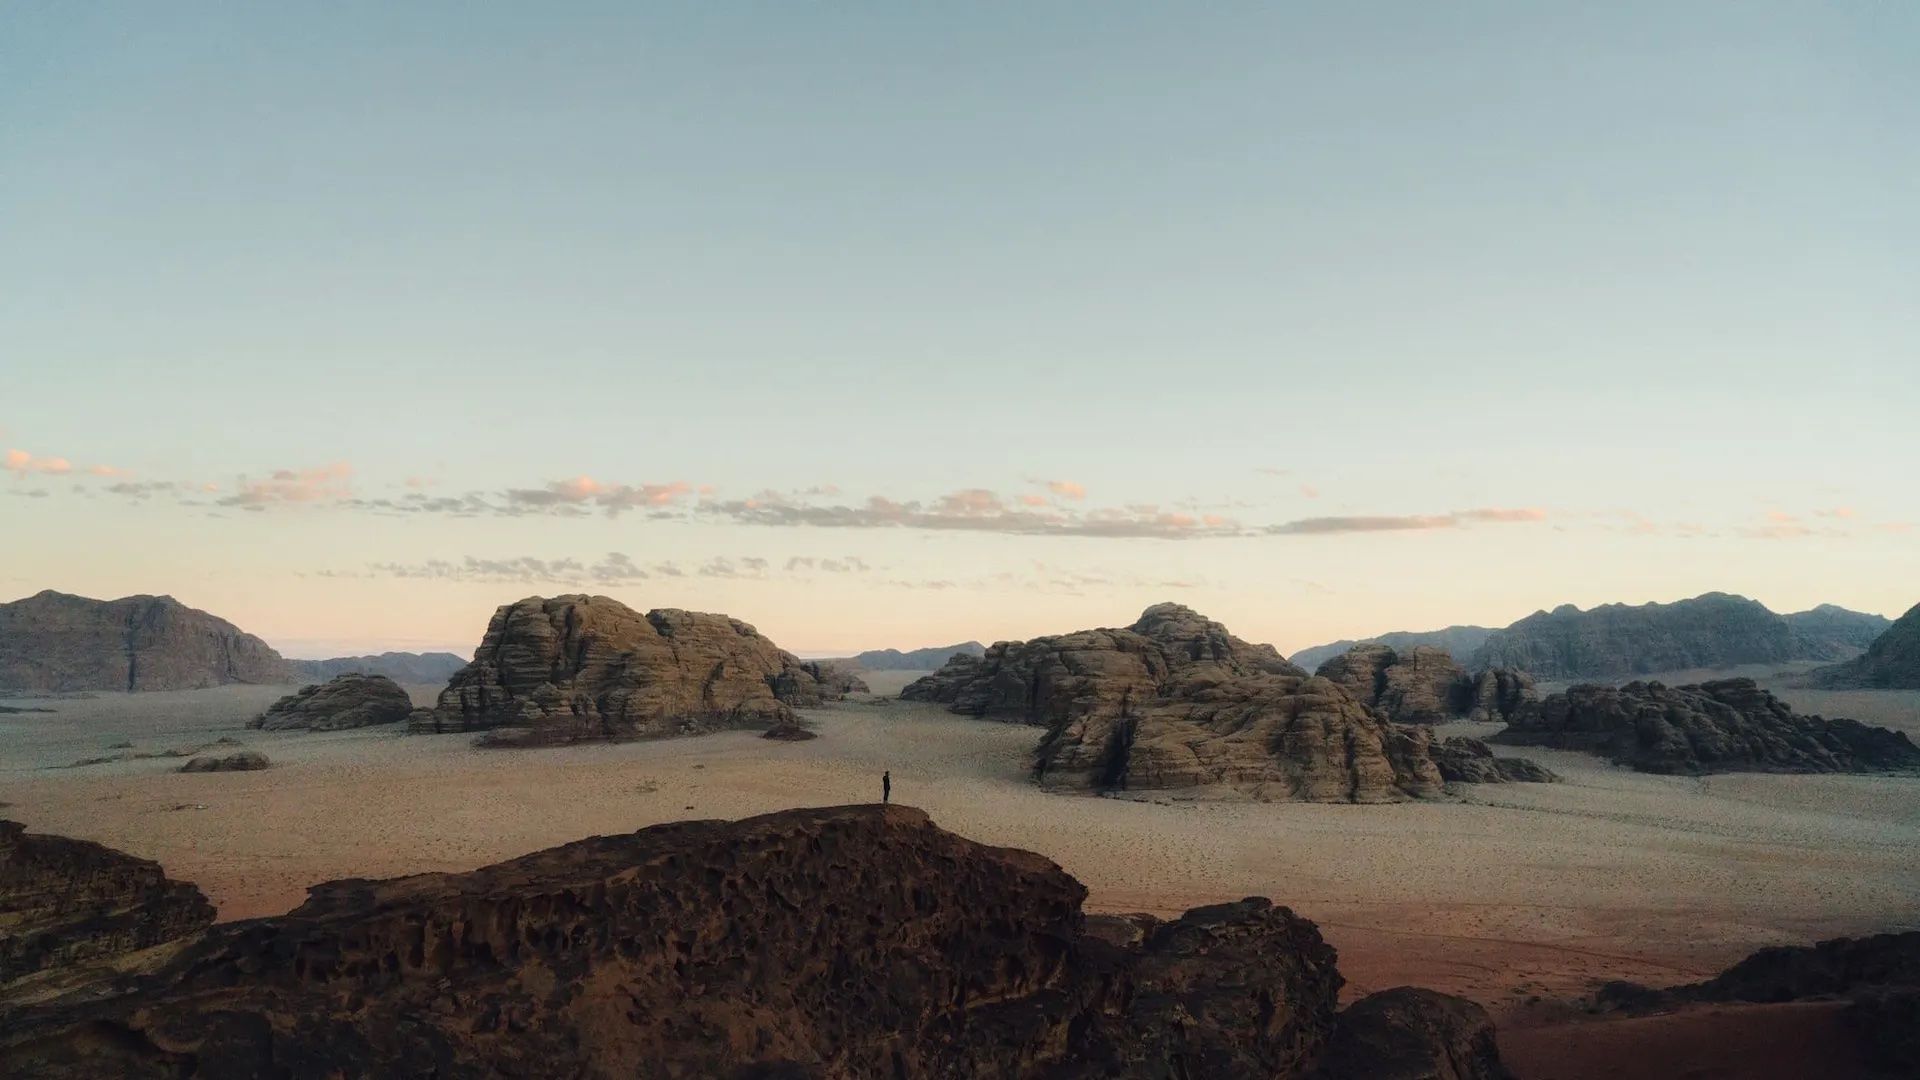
(898, 325)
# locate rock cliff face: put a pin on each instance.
(575, 668)
(1714, 630)
(1424, 685)
(832, 943)
(66, 902)
(1175, 701)
(1458, 642)
(1831, 632)
(1891, 662)
(401, 667)
(346, 701)
(1464, 760)
(1730, 725)
(54, 642)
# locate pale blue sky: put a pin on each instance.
(1416, 260)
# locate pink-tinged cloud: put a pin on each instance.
(1504, 514)
(21, 462)
(1309, 491)
(326, 483)
(1031, 499)
(1842, 512)
(106, 470)
(1067, 489)
(571, 496)
(1781, 517)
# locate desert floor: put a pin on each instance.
(1522, 896)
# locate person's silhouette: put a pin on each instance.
(886, 787)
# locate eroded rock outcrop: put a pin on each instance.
(1410, 1033)
(1175, 701)
(1458, 642)
(1425, 685)
(832, 943)
(67, 902)
(345, 701)
(1729, 725)
(1464, 760)
(1498, 695)
(54, 642)
(238, 761)
(575, 668)
(401, 667)
(1891, 662)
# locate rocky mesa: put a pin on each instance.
(1425, 685)
(52, 642)
(1729, 725)
(833, 943)
(1174, 701)
(574, 668)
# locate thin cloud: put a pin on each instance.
(1322, 526)
(1067, 489)
(572, 496)
(21, 463)
(325, 483)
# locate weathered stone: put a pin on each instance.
(832, 943)
(68, 902)
(1422, 685)
(1891, 662)
(1409, 1033)
(1497, 695)
(575, 668)
(789, 731)
(1466, 760)
(1730, 725)
(833, 679)
(53, 642)
(243, 761)
(1458, 642)
(345, 701)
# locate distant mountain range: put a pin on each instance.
(1714, 630)
(54, 642)
(928, 659)
(401, 667)
(1460, 641)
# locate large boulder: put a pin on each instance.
(1175, 701)
(1891, 662)
(69, 902)
(345, 701)
(239, 761)
(1729, 725)
(1410, 1033)
(1464, 760)
(54, 642)
(575, 668)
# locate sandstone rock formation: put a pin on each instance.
(66, 902)
(1175, 701)
(346, 701)
(575, 668)
(401, 667)
(53, 642)
(1714, 630)
(1891, 662)
(832, 943)
(1424, 685)
(239, 761)
(833, 679)
(926, 659)
(1458, 642)
(1464, 760)
(1730, 725)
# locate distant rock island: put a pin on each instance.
(52, 642)
(1458, 642)
(856, 941)
(1729, 725)
(1174, 701)
(401, 667)
(914, 659)
(344, 701)
(577, 668)
(1713, 630)
(1891, 662)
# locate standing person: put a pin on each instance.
(886, 787)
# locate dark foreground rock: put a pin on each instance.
(345, 701)
(68, 902)
(241, 761)
(1175, 701)
(576, 668)
(1464, 760)
(1409, 1033)
(1730, 725)
(1891, 662)
(834, 943)
(1879, 977)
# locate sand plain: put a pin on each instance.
(1523, 897)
